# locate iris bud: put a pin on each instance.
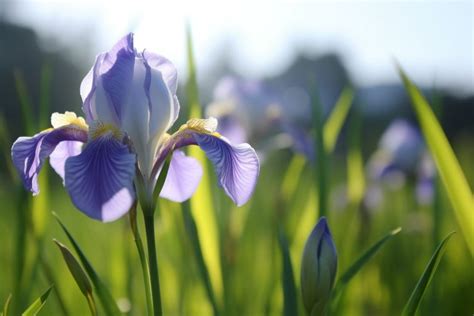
(318, 269)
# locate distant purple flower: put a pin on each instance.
(129, 101)
(249, 110)
(401, 154)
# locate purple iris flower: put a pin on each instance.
(401, 154)
(250, 110)
(129, 101)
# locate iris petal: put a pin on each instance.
(182, 179)
(237, 166)
(100, 179)
(61, 153)
(29, 153)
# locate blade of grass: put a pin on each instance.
(26, 105)
(321, 155)
(334, 123)
(7, 305)
(38, 304)
(79, 275)
(192, 231)
(355, 163)
(447, 164)
(290, 305)
(106, 299)
(202, 206)
(425, 279)
(359, 263)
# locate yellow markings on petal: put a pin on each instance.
(68, 118)
(101, 129)
(207, 126)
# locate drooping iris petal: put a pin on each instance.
(237, 166)
(182, 179)
(63, 151)
(29, 153)
(100, 179)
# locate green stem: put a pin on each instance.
(143, 262)
(153, 263)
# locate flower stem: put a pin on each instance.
(143, 261)
(153, 263)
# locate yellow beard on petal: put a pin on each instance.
(101, 129)
(68, 118)
(205, 126)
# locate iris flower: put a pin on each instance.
(129, 102)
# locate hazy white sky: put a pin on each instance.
(432, 40)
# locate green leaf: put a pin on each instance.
(25, 103)
(334, 123)
(425, 279)
(447, 164)
(321, 155)
(355, 162)
(290, 305)
(361, 261)
(202, 205)
(7, 304)
(38, 304)
(79, 275)
(106, 299)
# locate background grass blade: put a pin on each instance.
(447, 164)
(335, 121)
(361, 261)
(38, 304)
(7, 305)
(106, 299)
(355, 162)
(321, 155)
(202, 204)
(79, 275)
(424, 281)
(290, 305)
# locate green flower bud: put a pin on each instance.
(318, 269)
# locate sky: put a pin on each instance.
(433, 41)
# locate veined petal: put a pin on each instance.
(182, 179)
(100, 179)
(169, 74)
(61, 153)
(237, 166)
(105, 88)
(29, 153)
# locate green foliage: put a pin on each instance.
(425, 279)
(447, 164)
(106, 299)
(38, 304)
(79, 275)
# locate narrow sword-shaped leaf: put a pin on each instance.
(355, 163)
(334, 123)
(446, 162)
(106, 299)
(425, 279)
(360, 262)
(38, 304)
(202, 206)
(7, 305)
(79, 275)
(290, 305)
